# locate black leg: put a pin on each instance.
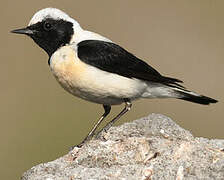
(92, 132)
(108, 125)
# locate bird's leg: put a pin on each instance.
(92, 132)
(108, 125)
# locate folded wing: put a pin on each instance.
(112, 58)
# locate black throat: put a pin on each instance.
(52, 34)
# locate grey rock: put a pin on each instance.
(150, 148)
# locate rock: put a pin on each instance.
(150, 148)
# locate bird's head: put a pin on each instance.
(50, 28)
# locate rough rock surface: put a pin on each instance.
(153, 147)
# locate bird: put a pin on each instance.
(94, 68)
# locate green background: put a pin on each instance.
(40, 121)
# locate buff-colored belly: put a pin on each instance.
(91, 83)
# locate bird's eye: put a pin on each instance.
(47, 26)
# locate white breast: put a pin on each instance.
(91, 83)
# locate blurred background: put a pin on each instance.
(40, 121)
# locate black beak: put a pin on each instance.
(26, 31)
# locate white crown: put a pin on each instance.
(54, 14)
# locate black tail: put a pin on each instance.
(193, 97)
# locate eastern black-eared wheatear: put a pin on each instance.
(94, 68)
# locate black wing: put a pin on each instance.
(112, 58)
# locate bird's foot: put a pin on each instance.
(77, 146)
(101, 134)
